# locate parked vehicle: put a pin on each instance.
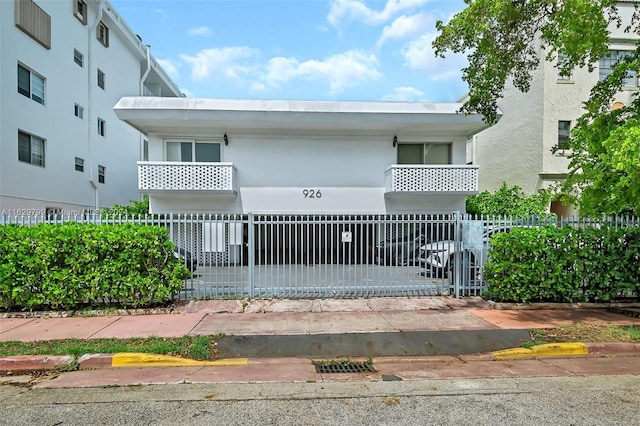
(400, 251)
(185, 256)
(404, 249)
(439, 257)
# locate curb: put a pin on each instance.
(561, 350)
(23, 363)
(546, 350)
(131, 359)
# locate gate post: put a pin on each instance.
(458, 256)
(251, 254)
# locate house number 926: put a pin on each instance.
(312, 193)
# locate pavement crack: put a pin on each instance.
(105, 327)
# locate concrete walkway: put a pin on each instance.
(460, 332)
(302, 317)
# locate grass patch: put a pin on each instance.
(587, 333)
(194, 347)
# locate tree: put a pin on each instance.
(508, 202)
(503, 39)
(136, 208)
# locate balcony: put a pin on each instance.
(431, 180)
(167, 177)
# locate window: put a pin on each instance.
(79, 164)
(145, 150)
(33, 21)
(30, 84)
(424, 153)
(193, 151)
(102, 34)
(562, 58)
(100, 79)
(101, 173)
(102, 127)
(564, 130)
(80, 11)
(30, 149)
(78, 111)
(78, 57)
(607, 64)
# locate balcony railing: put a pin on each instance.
(168, 176)
(448, 179)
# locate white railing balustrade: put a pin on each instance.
(165, 176)
(447, 179)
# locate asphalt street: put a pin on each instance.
(583, 400)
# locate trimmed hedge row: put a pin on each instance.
(566, 264)
(73, 265)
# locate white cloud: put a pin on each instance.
(359, 11)
(163, 15)
(235, 63)
(280, 70)
(405, 94)
(341, 71)
(419, 55)
(200, 31)
(245, 67)
(170, 66)
(405, 26)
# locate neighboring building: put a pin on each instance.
(64, 65)
(518, 150)
(302, 157)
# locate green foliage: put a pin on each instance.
(136, 208)
(508, 202)
(564, 264)
(605, 145)
(504, 41)
(501, 40)
(71, 265)
(194, 347)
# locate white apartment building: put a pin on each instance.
(64, 65)
(302, 157)
(518, 150)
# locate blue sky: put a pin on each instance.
(361, 50)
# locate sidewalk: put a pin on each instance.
(304, 317)
(274, 340)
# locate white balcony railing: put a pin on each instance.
(448, 179)
(170, 176)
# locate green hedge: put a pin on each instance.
(564, 264)
(73, 265)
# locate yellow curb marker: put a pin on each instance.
(132, 359)
(548, 349)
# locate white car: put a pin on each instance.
(438, 256)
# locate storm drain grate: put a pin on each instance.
(352, 367)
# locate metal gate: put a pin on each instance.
(315, 256)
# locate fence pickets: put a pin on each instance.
(322, 256)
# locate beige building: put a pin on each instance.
(518, 150)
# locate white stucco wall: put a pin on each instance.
(58, 184)
(273, 171)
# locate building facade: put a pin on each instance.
(64, 66)
(519, 149)
(302, 157)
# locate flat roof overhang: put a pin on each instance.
(175, 116)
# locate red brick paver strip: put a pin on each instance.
(164, 325)
(7, 324)
(58, 328)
